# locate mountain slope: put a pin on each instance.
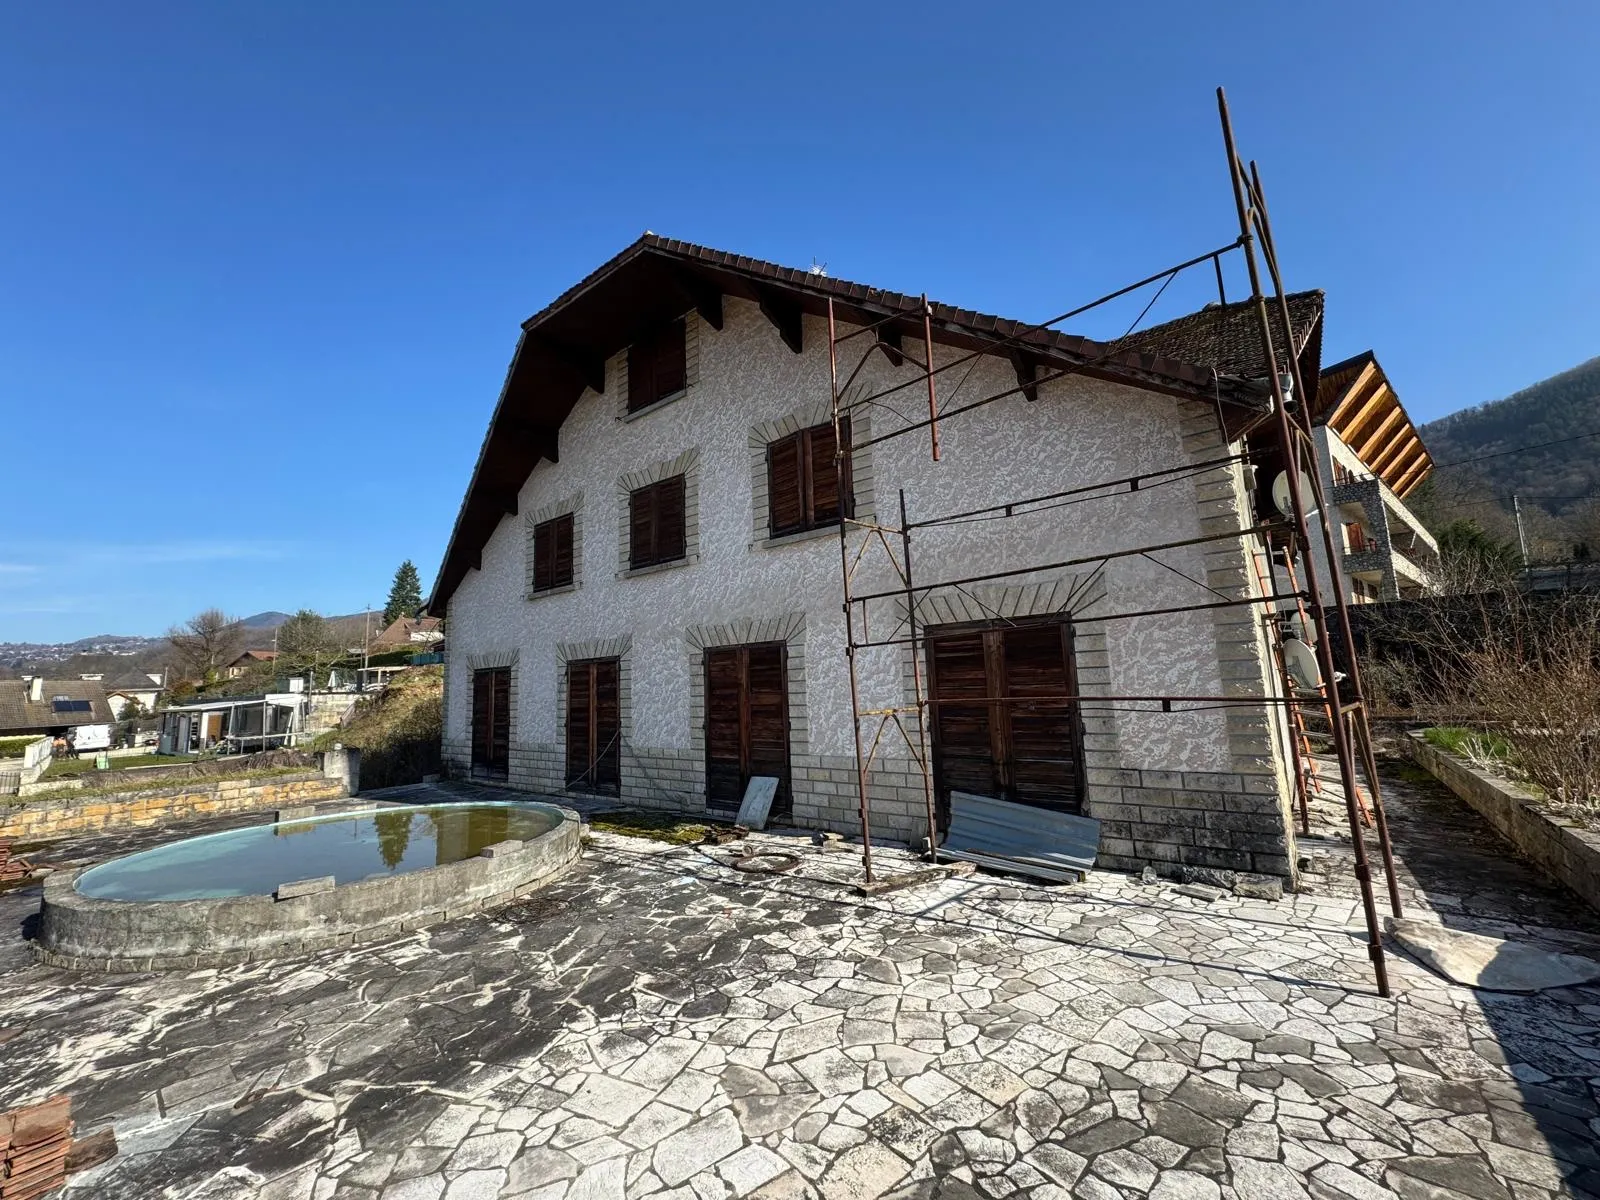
(1557, 478)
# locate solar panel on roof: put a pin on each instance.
(62, 705)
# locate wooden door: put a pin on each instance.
(491, 723)
(1001, 725)
(747, 723)
(594, 726)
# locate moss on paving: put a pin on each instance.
(658, 827)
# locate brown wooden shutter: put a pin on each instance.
(500, 751)
(641, 527)
(561, 551)
(767, 722)
(552, 553)
(482, 716)
(491, 722)
(671, 517)
(657, 366)
(724, 729)
(962, 718)
(672, 361)
(580, 746)
(785, 486)
(656, 523)
(1041, 728)
(824, 483)
(606, 737)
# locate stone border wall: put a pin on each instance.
(43, 820)
(1565, 852)
(81, 933)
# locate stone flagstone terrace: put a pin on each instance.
(658, 1024)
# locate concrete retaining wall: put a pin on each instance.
(1565, 852)
(81, 933)
(46, 819)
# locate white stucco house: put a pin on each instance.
(643, 585)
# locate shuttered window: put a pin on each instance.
(594, 726)
(803, 477)
(747, 723)
(656, 523)
(1003, 722)
(491, 723)
(657, 366)
(552, 554)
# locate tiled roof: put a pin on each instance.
(1228, 336)
(134, 681)
(655, 279)
(18, 714)
(400, 630)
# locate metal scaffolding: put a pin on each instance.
(869, 543)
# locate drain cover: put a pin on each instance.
(770, 862)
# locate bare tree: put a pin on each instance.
(207, 642)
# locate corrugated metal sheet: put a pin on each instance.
(1023, 840)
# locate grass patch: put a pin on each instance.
(72, 768)
(398, 732)
(658, 827)
(153, 785)
(12, 747)
(1470, 744)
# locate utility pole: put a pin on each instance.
(1522, 538)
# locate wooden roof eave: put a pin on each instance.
(563, 349)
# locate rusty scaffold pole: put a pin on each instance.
(1292, 448)
(847, 571)
(1358, 715)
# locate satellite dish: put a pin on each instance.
(1284, 502)
(1301, 665)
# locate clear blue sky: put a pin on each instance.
(262, 266)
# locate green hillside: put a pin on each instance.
(1558, 478)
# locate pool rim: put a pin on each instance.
(350, 814)
(84, 933)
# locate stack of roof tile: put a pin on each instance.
(33, 1149)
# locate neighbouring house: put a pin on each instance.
(409, 631)
(34, 704)
(1371, 458)
(144, 686)
(233, 724)
(643, 584)
(248, 659)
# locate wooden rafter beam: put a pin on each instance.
(706, 297)
(504, 499)
(588, 366)
(1394, 452)
(889, 338)
(1371, 403)
(1353, 396)
(541, 439)
(1412, 473)
(1385, 429)
(1027, 369)
(785, 315)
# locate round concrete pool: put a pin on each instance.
(302, 885)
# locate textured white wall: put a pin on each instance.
(1080, 431)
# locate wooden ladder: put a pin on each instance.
(1308, 775)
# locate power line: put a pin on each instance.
(1461, 462)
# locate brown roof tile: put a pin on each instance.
(20, 715)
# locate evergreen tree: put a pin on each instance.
(405, 594)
